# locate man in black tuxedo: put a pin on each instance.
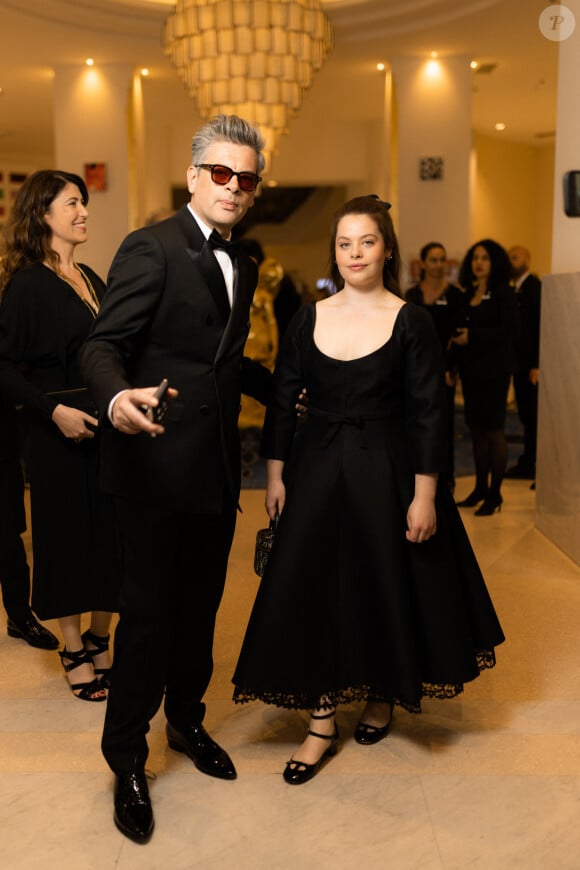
(177, 307)
(528, 289)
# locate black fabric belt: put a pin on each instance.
(335, 422)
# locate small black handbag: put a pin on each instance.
(264, 543)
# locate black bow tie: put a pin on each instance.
(217, 241)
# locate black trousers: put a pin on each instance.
(14, 571)
(527, 402)
(174, 569)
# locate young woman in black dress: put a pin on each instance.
(48, 306)
(485, 361)
(372, 591)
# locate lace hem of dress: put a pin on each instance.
(306, 701)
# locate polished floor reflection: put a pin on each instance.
(490, 780)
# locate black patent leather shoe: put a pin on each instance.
(33, 633)
(195, 742)
(133, 812)
(368, 735)
(298, 772)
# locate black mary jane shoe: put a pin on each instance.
(97, 646)
(30, 630)
(133, 812)
(206, 754)
(472, 499)
(299, 772)
(368, 735)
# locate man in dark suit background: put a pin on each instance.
(176, 307)
(528, 289)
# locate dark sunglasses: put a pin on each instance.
(248, 181)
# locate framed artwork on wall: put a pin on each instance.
(431, 168)
(96, 177)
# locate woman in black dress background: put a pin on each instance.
(48, 306)
(372, 591)
(485, 361)
(445, 304)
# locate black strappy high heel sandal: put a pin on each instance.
(84, 691)
(99, 645)
(297, 772)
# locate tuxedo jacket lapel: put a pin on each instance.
(239, 313)
(213, 277)
(203, 257)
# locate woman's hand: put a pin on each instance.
(302, 404)
(421, 521)
(275, 488)
(72, 423)
(421, 516)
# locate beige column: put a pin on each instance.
(91, 126)
(558, 460)
(432, 122)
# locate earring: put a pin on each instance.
(390, 257)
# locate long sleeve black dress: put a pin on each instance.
(347, 607)
(43, 324)
(486, 361)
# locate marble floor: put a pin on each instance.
(490, 780)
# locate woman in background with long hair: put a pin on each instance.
(48, 305)
(485, 366)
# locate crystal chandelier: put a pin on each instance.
(253, 58)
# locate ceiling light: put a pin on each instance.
(474, 64)
(256, 60)
(433, 70)
(500, 125)
(380, 67)
(144, 72)
(434, 54)
(89, 61)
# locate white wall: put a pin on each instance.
(512, 196)
(91, 126)
(566, 230)
(433, 101)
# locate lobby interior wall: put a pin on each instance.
(433, 123)
(558, 460)
(83, 137)
(512, 196)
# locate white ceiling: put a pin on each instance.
(37, 35)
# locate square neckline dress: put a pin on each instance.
(347, 608)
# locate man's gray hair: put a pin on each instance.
(227, 128)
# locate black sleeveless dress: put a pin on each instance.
(348, 608)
